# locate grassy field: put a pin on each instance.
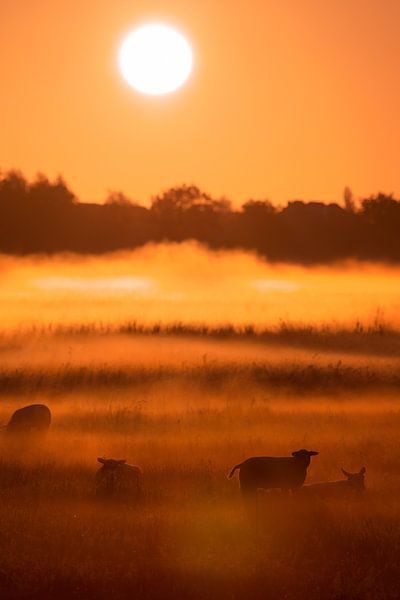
(186, 406)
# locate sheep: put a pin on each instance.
(117, 478)
(32, 418)
(286, 473)
(352, 486)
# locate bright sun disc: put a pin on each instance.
(155, 59)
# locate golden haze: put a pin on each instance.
(173, 283)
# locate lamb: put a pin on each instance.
(286, 473)
(352, 486)
(117, 478)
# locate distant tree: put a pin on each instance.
(13, 183)
(381, 209)
(222, 205)
(118, 199)
(46, 193)
(62, 191)
(45, 216)
(381, 214)
(258, 208)
(188, 197)
(180, 198)
(348, 199)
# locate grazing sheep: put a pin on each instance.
(118, 479)
(353, 485)
(29, 419)
(286, 473)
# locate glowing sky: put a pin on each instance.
(288, 98)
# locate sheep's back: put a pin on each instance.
(273, 471)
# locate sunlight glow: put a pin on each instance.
(155, 59)
(278, 285)
(105, 285)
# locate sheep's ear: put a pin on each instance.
(363, 471)
(346, 473)
(101, 460)
(313, 453)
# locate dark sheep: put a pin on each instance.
(267, 472)
(29, 419)
(352, 486)
(116, 478)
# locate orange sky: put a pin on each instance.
(288, 99)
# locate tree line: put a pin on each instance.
(44, 216)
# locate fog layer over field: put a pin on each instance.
(187, 283)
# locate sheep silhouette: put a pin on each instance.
(116, 478)
(267, 472)
(352, 486)
(30, 419)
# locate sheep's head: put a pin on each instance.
(304, 456)
(305, 453)
(356, 479)
(111, 463)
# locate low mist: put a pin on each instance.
(186, 283)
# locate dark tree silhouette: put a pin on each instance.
(348, 199)
(45, 217)
(118, 199)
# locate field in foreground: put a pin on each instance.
(186, 410)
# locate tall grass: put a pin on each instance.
(337, 377)
(186, 423)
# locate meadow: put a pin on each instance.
(187, 369)
(187, 407)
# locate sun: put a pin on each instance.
(155, 59)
